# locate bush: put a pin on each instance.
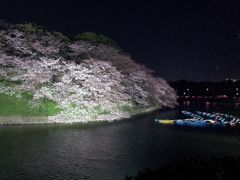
(96, 38)
(88, 36)
(61, 36)
(131, 109)
(225, 168)
(65, 52)
(31, 28)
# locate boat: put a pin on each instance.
(233, 124)
(165, 121)
(227, 117)
(190, 123)
(213, 116)
(193, 115)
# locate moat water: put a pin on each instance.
(106, 151)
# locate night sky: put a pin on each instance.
(178, 39)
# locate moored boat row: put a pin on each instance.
(203, 119)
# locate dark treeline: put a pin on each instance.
(230, 88)
(225, 168)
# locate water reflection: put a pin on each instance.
(207, 105)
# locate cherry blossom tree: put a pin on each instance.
(95, 89)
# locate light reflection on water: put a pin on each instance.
(108, 151)
(210, 106)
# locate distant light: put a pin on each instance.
(232, 80)
(236, 89)
(207, 89)
(184, 93)
(187, 89)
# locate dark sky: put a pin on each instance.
(195, 40)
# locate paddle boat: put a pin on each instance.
(165, 121)
(192, 123)
(193, 115)
(216, 117)
(226, 116)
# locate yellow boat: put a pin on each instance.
(166, 121)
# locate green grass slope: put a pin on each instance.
(11, 105)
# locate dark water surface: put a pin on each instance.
(105, 152)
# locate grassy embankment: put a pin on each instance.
(22, 106)
(12, 105)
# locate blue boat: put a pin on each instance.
(189, 123)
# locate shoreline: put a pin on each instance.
(41, 120)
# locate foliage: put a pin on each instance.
(212, 168)
(96, 38)
(61, 36)
(31, 28)
(132, 109)
(65, 52)
(101, 111)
